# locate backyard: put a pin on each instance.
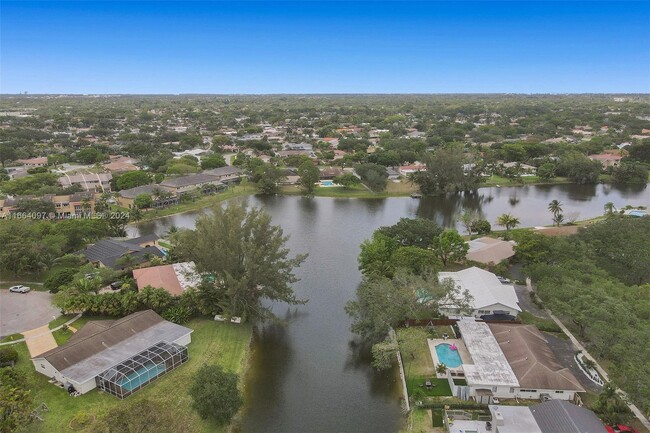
(212, 342)
(419, 368)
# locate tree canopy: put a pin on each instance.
(215, 394)
(246, 254)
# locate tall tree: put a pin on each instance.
(555, 207)
(450, 246)
(309, 175)
(382, 303)
(246, 254)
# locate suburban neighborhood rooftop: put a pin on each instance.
(490, 366)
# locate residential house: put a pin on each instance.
(40, 161)
(119, 163)
(228, 175)
(117, 356)
(405, 170)
(287, 153)
(96, 182)
(119, 254)
(607, 160)
(511, 361)
(523, 169)
(175, 278)
(332, 141)
(330, 173)
(489, 296)
(552, 416)
(489, 250)
(183, 184)
(66, 206)
(161, 196)
(298, 146)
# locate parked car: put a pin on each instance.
(117, 285)
(620, 429)
(19, 289)
(504, 280)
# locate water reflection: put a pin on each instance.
(305, 376)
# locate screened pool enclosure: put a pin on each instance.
(128, 376)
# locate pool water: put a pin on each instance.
(142, 375)
(327, 183)
(451, 358)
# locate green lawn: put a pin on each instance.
(524, 180)
(421, 365)
(212, 342)
(61, 320)
(440, 387)
(419, 421)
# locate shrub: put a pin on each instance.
(178, 314)
(8, 354)
(58, 278)
(215, 393)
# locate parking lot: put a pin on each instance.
(22, 312)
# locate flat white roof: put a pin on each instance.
(490, 366)
(484, 286)
(516, 419)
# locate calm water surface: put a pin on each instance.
(308, 376)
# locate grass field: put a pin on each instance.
(212, 342)
(440, 387)
(419, 421)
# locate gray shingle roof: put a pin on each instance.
(144, 189)
(108, 251)
(193, 179)
(224, 171)
(107, 344)
(559, 416)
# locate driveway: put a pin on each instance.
(564, 351)
(526, 303)
(22, 312)
(39, 340)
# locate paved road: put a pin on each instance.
(22, 312)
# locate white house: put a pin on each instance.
(117, 356)
(489, 295)
(511, 361)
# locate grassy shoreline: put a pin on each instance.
(393, 189)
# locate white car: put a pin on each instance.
(19, 289)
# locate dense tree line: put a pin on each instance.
(598, 281)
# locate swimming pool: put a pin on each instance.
(327, 183)
(141, 376)
(451, 358)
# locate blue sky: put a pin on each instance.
(332, 47)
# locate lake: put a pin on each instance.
(308, 375)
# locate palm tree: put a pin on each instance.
(508, 221)
(609, 208)
(558, 218)
(555, 207)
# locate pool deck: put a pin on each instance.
(462, 351)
